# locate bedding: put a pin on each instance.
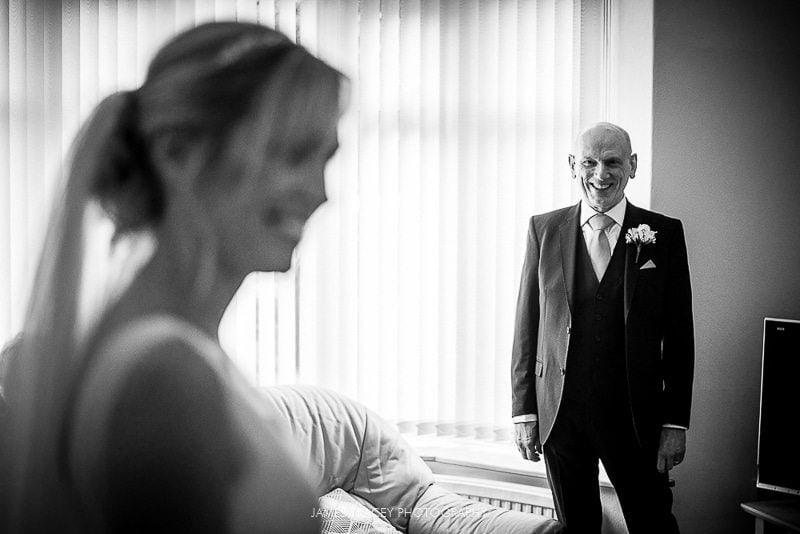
(341, 513)
(372, 481)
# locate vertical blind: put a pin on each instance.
(460, 118)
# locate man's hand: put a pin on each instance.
(527, 437)
(671, 448)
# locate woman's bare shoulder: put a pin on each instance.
(169, 444)
(144, 373)
(158, 335)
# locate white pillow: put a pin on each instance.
(342, 514)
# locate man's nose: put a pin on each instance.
(601, 170)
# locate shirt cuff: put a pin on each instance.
(667, 425)
(525, 418)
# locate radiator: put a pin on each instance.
(509, 495)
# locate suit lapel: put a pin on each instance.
(633, 218)
(568, 232)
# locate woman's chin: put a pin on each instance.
(275, 257)
(283, 268)
(278, 264)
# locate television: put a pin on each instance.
(778, 468)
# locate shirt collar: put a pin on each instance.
(617, 212)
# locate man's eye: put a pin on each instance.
(587, 163)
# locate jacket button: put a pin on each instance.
(562, 371)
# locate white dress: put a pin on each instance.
(137, 452)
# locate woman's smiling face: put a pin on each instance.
(603, 162)
(260, 228)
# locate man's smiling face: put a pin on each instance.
(603, 162)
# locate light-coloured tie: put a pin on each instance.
(599, 248)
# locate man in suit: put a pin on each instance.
(603, 352)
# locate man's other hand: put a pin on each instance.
(527, 437)
(671, 448)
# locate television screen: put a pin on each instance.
(778, 465)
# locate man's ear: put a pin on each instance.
(571, 161)
(634, 162)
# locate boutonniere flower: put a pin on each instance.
(640, 236)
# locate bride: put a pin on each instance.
(140, 423)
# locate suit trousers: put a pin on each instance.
(588, 431)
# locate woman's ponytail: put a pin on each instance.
(107, 162)
(127, 186)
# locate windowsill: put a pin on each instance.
(482, 459)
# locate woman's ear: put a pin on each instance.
(170, 155)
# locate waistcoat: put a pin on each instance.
(595, 369)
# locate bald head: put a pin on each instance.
(607, 130)
(603, 162)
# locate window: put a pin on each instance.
(461, 117)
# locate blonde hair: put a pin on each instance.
(240, 92)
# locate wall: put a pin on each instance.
(630, 51)
(726, 160)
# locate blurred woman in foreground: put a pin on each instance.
(140, 422)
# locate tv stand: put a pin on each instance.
(774, 516)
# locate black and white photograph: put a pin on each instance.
(399, 266)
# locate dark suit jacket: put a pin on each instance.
(659, 332)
